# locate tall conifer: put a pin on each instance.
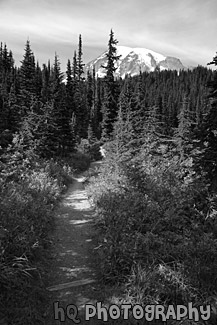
(110, 104)
(27, 79)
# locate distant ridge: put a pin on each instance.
(134, 60)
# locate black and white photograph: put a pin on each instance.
(108, 162)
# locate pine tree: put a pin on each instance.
(48, 146)
(38, 81)
(63, 136)
(90, 104)
(75, 67)
(56, 78)
(27, 78)
(8, 120)
(138, 111)
(71, 85)
(46, 79)
(69, 74)
(98, 108)
(123, 133)
(80, 60)
(70, 89)
(3, 88)
(94, 105)
(110, 103)
(81, 117)
(208, 159)
(183, 133)
(14, 117)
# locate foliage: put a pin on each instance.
(90, 148)
(29, 190)
(155, 231)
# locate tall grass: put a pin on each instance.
(29, 192)
(156, 233)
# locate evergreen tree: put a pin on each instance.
(80, 64)
(81, 117)
(70, 89)
(8, 119)
(208, 159)
(27, 78)
(90, 103)
(94, 105)
(110, 103)
(14, 116)
(4, 74)
(69, 75)
(123, 133)
(63, 135)
(138, 109)
(98, 108)
(75, 67)
(56, 79)
(71, 85)
(46, 79)
(81, 113)
(183, 133)
(38, 81)
(49, 141)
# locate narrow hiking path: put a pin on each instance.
(74, 279)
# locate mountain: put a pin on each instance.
(133, 60)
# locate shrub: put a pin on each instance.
(156, 233)
(79, 161)
(28, 193)
(90, 149)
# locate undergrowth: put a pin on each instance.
(157, 230)
(30, 188)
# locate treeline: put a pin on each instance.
(52, 111)
(36, 137)
(36, 104)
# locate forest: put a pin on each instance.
(155, 195)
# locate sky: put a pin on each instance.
(185, 29)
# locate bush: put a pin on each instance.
(29, 190)
(80, 161)
(90, 149)
(155, 232)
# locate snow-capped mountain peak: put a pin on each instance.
(134, 60)
(141, 52)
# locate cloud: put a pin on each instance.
(185, 29)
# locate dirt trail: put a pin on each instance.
(74, 277)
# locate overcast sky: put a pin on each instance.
(182, 28)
